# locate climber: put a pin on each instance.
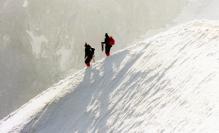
(89, 54)
(109, 42)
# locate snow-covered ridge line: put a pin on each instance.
(132, 56)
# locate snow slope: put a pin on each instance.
(42, 40)
(168, 83)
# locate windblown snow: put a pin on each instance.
(164, 84)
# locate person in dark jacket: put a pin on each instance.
(107, 45)
(89, 54)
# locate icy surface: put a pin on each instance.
(168, 83)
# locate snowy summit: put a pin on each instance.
(165, 84)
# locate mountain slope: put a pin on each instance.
(164, 84)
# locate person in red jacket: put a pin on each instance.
(89, 54)
(109, 41)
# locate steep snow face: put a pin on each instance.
(41, 40)
(168, 83)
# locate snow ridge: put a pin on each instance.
(167, 83)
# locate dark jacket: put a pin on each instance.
(89, 51)
(106, 40)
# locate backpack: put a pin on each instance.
(111, 40)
